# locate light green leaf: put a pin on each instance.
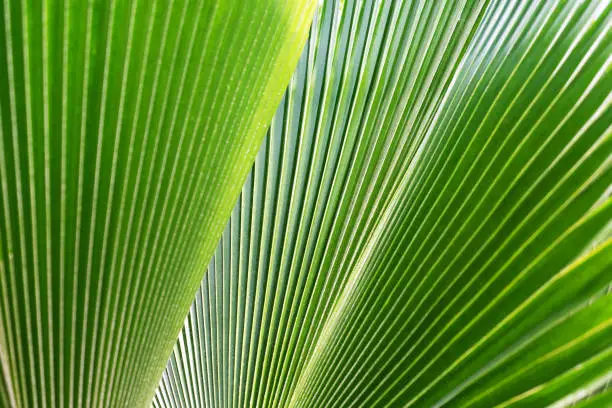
(602, 398)
(127, 129)
(428, 221)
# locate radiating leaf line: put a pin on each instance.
(107, 210)
(413, 312)
(432, 168)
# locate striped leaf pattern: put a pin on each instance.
(428, 222)
(127, 129)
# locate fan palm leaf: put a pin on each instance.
(427, 222)
(127, 129)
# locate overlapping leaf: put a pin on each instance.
(427, 222)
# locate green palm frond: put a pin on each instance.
(427, 222)
(127, 129)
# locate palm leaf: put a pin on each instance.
(126, 131)
(427, 222)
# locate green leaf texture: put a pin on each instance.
(427, 223)
(127, 129)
